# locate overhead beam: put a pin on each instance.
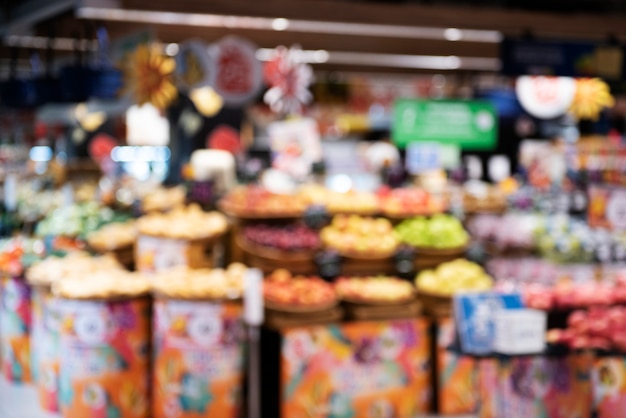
(30, 12)
(586, 26)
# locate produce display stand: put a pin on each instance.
(537, 386)
(104, 358)
(456, 375)
(16, 323)
(198, 355)
(45, 346)
(350, 369)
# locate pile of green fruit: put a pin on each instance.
(454, 277)
(77, 220)
(438, 231)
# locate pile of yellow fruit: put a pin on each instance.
(454, 277)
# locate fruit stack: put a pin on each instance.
(360, 237)
(600, 328)
(298, 300)
(272, 246)
(438, 239)
(436, 287)
(377, 298)
(411, 201)
(254, 202)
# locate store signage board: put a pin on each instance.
(468, 124)
(570, 59)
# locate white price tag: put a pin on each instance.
(253, 297)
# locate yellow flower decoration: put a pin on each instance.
(150, 76)
(592, 95)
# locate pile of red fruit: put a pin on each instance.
(409, 201)
(598, 328)
(294, 237)
(568, 295)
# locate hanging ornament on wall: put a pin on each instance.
(238, 74)
(289, 79)
(149, 76)
(591, 97)
(194, 65)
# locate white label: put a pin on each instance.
(616, 209)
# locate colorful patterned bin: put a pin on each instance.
(609, 387)
(356, 370)
(104, 358)
(45, 347)
(198, 351)
(15, 323)
(457, 375)
(537, 387)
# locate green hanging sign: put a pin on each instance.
(468, 124)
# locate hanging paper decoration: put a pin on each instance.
(545, 97)
(193, 65)
(224, 138)
(591, 97)
(238, 74)
(207, 102)
(289, 79)
(149, 77)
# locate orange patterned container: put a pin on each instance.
(15, 323)
(45, 347)
(457, 375)
(104, 358)
(198, 351)
(356, 370)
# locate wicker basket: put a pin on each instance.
(270, 259)
(435, 305)
(428, 258)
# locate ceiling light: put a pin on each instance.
(293, 25)
(453, 34)
(427, 62)
(172, 49)
(280, 24)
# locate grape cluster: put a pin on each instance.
(288, 238)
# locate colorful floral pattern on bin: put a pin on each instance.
(15, 323)
(457, 375)
(609, 387)
(543, 387)
(198, 369)
(45, 347)
(104, 358)
(356, 370)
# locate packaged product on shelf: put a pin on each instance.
(185, 236)
(198, 343)
(104, 358)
